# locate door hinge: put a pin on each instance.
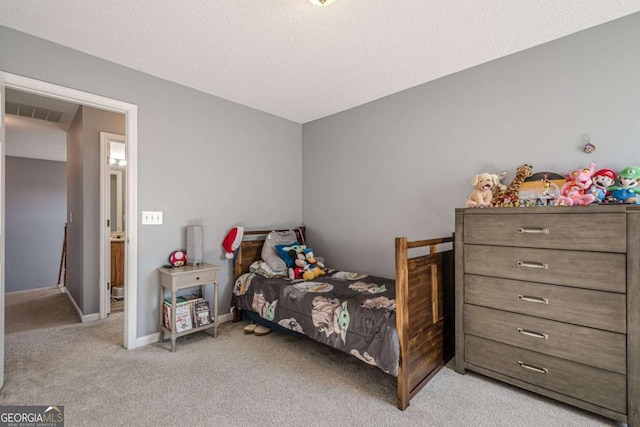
(108, 223)
(108, 285)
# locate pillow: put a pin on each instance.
(269, 252)
(288, 253)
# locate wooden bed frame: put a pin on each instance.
(424, 306)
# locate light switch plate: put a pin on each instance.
(151, 218)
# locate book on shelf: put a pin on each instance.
(202, 315)
(166, 316)
(184, 301)
(184, 321)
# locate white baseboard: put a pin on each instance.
(146, 340)
(155, 337)
(75, 306)
(84, 318)
(90, 317)
(224, 318)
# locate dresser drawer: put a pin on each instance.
(596, 309)
(586, 232)
(197, 277)
(603, 271)
(593, 385)
(602, 349)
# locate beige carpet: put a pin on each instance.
(37, 309)
(245, 380)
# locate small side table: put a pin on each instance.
(178, 278)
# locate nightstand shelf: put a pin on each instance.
(175, 279)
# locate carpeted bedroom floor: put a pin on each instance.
(234, 380)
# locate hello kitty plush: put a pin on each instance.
(575, 191)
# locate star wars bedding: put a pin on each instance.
(351, 312)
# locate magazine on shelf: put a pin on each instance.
(183, 318)
(202, 315)
(181, 301)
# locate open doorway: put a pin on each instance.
(52, 152)
(113, 175)
(130, 111)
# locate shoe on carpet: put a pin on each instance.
(261, 330)
(250, 328)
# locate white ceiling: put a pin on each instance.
(299, 61)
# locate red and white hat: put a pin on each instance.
(605, 172)
(232, 241)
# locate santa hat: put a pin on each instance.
(232, 241)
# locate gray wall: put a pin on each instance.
(75, 271)
(36, 205)
(93, 122)
(399, 166)
(201, 159)
(83, 189)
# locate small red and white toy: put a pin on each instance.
(178, 258)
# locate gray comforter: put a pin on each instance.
(352, 312)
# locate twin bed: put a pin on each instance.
(403, 326)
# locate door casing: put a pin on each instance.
(130, 111)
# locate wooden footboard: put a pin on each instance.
(424, 313)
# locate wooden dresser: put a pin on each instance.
(548, 299)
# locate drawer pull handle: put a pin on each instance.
(533, 334)
(522, 230)
(533, 368)
(534, 299)
(533, 265)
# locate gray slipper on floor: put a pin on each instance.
(261, 330)
(250, 328)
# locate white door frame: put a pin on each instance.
(105, 218)
(130, 111)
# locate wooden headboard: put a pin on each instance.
(251, 249)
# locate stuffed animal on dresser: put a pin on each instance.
(576, 190)
(626, 189)
(497, 184)
(602, 181)
(512, 193)
(481, 194)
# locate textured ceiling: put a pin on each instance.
(299, 61)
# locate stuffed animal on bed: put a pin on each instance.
(312, 270)
(270, 253)
(306, 266)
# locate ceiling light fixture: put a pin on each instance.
(321, 2)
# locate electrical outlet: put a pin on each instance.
(151, 218)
